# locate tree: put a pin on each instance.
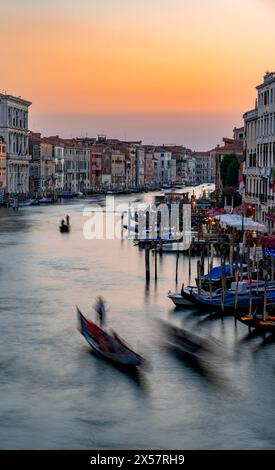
(230, 170)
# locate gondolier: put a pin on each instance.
(101, 310)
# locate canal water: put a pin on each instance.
(55, 394)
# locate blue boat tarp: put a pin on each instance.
(216, 272)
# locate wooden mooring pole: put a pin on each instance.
(147, 262)
(156, 262)
(177, 264)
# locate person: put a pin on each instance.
(68, 219)
(101, 310)
(62, 223)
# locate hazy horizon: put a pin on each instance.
(185, 129)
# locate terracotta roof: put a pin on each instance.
(201, 154)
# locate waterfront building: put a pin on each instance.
(205, 167)
(259, 168)
(3, 165)
(14, 130)
(58, 145)
(190, 169)
(42, 164)
(118, 170)
(139, 167)
(96, 166)
(59, 161)
(77, 167)
(129, 150)
(149, 173)
(163, 159)
(179, 155)
(107, 170)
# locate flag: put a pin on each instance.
(241, 185)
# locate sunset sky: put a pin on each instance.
(167, 71)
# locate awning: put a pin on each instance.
(216, 211)
(239, 222)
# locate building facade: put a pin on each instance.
(118, 170)
(42, 165)
(139, 167)
(77, 167)
(260, 151)
(163, 159)
(3, 165)
(149, 173)
(205, 167)
(96, 166)
(14, 130)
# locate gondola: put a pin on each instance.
(64, 228)
(108, 346)
(185, 298)
(188, 343)
(258, 322)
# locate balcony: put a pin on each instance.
(263, 199)
(256, 171)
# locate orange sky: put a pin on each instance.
(136, 57)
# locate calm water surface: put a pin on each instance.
(56, 395)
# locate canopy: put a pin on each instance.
(216, 272)
(242, 208)
(239, 222)
(216, 211)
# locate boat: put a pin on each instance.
(109, 346)
(188, 343)
(64, 228)
(174, 247)
(214, 277)
(68, 195)
(22, 203)
(235, 299)
(258, 321)
(185, 298)
(46, 200)
(25, 203)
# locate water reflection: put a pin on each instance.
(56, 394)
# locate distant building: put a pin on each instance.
(118, 170)
(42, 164)
(205, 167)
(14, 130)
(58, 145)
(77, 167)
(163, 159)
(139, 167)
(3, 165)
(149, 171)
(96, 166)
(238, 133)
